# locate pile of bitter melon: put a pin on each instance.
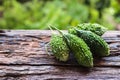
(84, 41)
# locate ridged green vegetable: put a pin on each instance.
(80, 50)
(59, 48)
(96, 28)
(97, 45)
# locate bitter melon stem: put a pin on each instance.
(58, 31)
(64, 37)
(51, 29)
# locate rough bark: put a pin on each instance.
(23, 57)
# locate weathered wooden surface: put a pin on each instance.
(23, 57)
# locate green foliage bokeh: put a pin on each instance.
(38, 14)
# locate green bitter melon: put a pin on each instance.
(97, 45)
(59, 48)
(80, 50)
(96, 28)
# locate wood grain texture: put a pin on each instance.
(23, 57)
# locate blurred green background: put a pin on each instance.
(38, 14)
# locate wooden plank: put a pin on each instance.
(23, 56)
(58, 72)
(27, 49)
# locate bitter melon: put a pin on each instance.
(97, 45)
(80, 50)
(96, 28)
(59, 48)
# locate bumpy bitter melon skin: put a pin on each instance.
(97, 45)
(59, 48)
(96, 28)
(80, 50)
